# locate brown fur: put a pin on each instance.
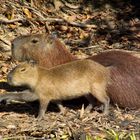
(124, 89)
(124, 67)
(23, 49)
(65, 81)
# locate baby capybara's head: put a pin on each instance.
(23, 74)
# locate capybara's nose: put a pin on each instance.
(9, 78)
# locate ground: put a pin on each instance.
(86, 27)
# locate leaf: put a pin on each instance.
(63, 137)
(58, 4)
(3, 80)
(27, 12)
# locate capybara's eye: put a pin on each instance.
(35, 40)
(22, 69)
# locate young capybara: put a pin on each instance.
(48, 52)
(67, 81)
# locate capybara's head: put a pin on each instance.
(23, 74)
(25, 47)
(44, 49)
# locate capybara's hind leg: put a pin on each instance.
(92, 102)
(100, 93)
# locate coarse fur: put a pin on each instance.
(125, 74)
(66, 81)
(124, 66)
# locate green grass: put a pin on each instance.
(112, 135)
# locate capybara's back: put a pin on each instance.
(124, 89)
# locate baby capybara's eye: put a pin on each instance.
(22, 69)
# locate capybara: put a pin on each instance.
(66, 81)
(49, 51)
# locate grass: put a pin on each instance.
(112, 135)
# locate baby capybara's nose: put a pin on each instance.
(9, 78)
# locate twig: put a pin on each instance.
(82, 111)
(70, 22)
(47, 28)
(5, 21)
(5, 42)
(72, 6)
(90, 47)
(81, 24)
(23, 137)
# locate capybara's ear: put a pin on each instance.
(32, 63)
(51, 38)
(54, 35)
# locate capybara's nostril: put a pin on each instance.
(9, 78)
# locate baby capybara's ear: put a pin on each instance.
(32, 63)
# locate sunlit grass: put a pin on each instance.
(113, 135)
